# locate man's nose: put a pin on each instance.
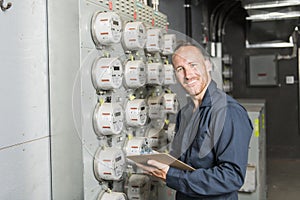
(188, 72)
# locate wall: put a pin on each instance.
(24, 108)
(281, 101)
(176, 16)
(64, 65)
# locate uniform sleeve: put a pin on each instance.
(231, 152)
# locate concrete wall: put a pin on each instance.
(24, 109)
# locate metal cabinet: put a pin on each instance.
(255, 187)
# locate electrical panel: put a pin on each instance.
(263, 70)
(127, 106)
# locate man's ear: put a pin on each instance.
(208, 65)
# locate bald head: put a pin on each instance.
(189, 52)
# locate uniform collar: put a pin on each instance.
(211, 89)
(207, 98)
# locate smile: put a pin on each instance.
(191, 82)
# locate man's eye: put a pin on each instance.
(193, 65)
(178, 69)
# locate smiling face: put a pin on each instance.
(192, 70)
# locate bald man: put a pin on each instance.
(213, 132)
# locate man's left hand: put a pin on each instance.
(156, 169)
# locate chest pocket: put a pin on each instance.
(201, 153)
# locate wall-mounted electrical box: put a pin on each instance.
(263, 70)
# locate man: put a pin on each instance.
(212, 135)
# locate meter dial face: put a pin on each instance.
(155, 74)
(169, 44)
(134, 35)
(170, 77)
(106, 28)
(156, 109)
(171, 103)
(109, 163)
(154, 40)
(136, 112)
(135, 74)
(108, 119)
(107, 73)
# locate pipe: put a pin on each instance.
(188, 18)
(212, 21)
(221, 29)
(294, 40)
(227, 8)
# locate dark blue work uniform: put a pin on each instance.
(214, 140)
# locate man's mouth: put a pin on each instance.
(191, 82)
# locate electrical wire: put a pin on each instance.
(221, 17)
(212, 34)
(225, 18)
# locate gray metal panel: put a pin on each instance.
(24, 116)
(262, 70)
(23, 73)
(257, 147)
(25, 171)
(64, 64)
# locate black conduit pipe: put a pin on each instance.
(219, 17)
(227, 18)
(188, 18)
(225, 15)
(213, 17)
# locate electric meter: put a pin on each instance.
(155, 73)
(170, 103)
(138, 186)
(136, 112)
(137, 146)
(106, 28)
(157, 138)
(169, 44)
(154, 40)
(135, 74)
(171, 131)
(169, 75)
(111, 196)
(109, 163)
(107, 73)
(108, 119)
(134, 35)
(156, 108)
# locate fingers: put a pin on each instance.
(146, 168)
(155, 168)
(156, 164)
